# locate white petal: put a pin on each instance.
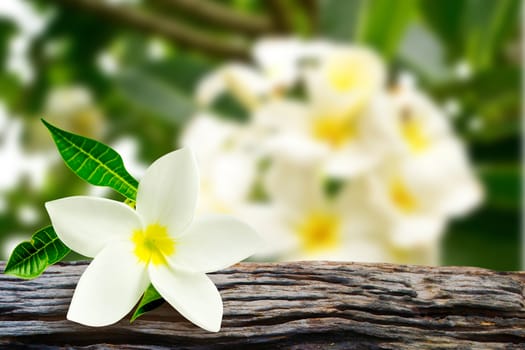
(192, 294)
(417, 231)
(278, 57)
(213, 243)
(272, 224)
(87, 224)
(354, 160)
(108, 289)
(294, 186)
(168, 192)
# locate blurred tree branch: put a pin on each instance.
(278, 10)
(221, 15)
(312, 9)
(171, 30)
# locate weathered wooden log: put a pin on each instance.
(305, 305)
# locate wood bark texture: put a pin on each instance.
(304, 305)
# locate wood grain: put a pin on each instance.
(304, 305)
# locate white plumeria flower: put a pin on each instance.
(157, 243)
(302, 132)
(345, 78)
(415, 131)
(303, 223)
(418, 194)
(227, 164)
(409, 122)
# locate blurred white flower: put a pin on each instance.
(409, 122)
(244, 83)
(321, 110)
(14, 157)
(108, 63)
(28, 214)
(344, 80)
(309, 133)
(226, 163)
(74, 109)
(303, 223)
(30, 22)
(417, 195)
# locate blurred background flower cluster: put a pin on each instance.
(360, 130)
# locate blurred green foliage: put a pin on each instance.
(150, 98)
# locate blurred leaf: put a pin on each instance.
(180, 70)
(7, 30)
(150, 300)
(229, 107)
(445, 18)
(93, 161)
(332, 186)
(165, 101)
(339, 18)
(492, 98)
(486, 24)
(423, 54)
(503, 185)
(30, 258)
(489, 239)
(382, 24)
(504, 150)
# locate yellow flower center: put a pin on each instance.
(346, 72)
(320, 231)
(413, 133)
(401, 196)
(153, 244)
(334, 130)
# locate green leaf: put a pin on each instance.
(382, 24)
(30, 258)
(503, 185)
(489, 238)
(150, 300)
(93, 161)
(150, 94)
(338, 18)
(486, 24)
(444, 17)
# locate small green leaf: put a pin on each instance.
(30, 258)
(94, 162)
(382, 24)
(150, 300)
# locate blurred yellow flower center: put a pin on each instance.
(153, 244)
(401, 196)
(413, 133)
(334, 130)
(346, 73)
(320, 231)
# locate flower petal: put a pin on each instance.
(87, 224)
(168, 192)
(108, 289)
(192, 294)
(214, 242)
